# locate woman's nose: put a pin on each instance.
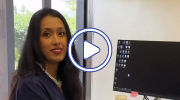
(56, 40)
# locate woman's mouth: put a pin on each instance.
(57, 51)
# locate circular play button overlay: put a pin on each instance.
(89, 49)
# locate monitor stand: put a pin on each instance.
(157, 98)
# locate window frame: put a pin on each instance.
(10, 40)
(89, 37)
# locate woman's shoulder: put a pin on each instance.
(31, 77)
(30, 80)
(29, 87)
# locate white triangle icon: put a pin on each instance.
(90, 50)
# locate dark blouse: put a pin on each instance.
(39, 87)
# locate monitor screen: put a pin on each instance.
(148, 67)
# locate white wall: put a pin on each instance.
(130, 19)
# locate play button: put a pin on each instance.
(90, 50)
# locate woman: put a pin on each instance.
(44, 71)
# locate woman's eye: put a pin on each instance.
(46, 34)
(61, 33)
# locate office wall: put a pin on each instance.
(130, 19)
(3, 54)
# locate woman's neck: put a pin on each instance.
(52, 68)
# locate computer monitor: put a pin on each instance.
(148, 67)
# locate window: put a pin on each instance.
(68, 9)
(23, 11)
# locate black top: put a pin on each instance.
(39, 87)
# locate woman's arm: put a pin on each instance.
(31, 90)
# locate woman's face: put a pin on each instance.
(53, 39)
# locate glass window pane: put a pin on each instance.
(68, 9)
(23, 11)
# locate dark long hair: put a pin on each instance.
(31, 53)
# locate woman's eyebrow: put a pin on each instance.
(45, 29)
(61, 27)
(50, 28)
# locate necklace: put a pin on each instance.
(57, 82)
